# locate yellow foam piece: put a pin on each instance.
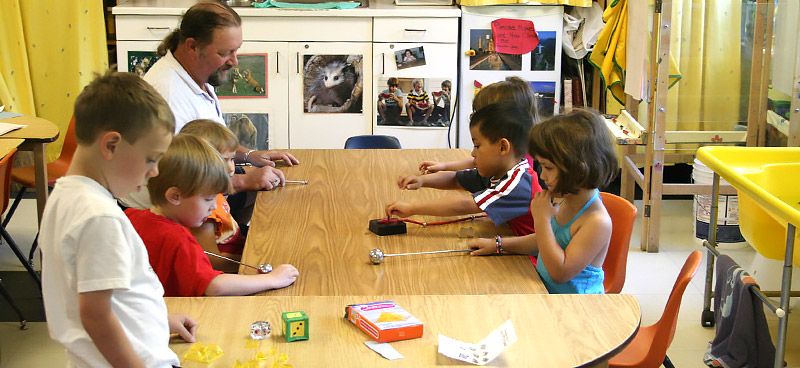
(275, 364)
(283, 358)
(204, 354)
(273, 351)
(286, 366)
(390, 317)
(251, 344)
(261, 355)
(238, 364)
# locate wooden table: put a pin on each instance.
(36, 134)
(322, 229)
(6, 145)
(552, 330)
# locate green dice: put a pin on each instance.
(295, 326)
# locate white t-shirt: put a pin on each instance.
(185, 98)
(88, 244)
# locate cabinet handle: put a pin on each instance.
(277, 62)
(416, 30)
(383, 63)
(298, 62)
(158, 28)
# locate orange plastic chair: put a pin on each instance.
(649, 346)
(623, 215)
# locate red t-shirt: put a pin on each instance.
(175, 255)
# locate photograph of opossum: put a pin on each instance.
(247, 80)
(333, 83)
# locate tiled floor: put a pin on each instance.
(650, 278)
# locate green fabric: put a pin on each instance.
(328, 5)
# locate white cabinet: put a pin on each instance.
(288, 39)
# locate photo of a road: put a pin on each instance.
(486, 58)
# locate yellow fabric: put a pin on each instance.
(582, 3)
(49, 50)
(608, 55)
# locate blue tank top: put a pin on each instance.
(588, 281)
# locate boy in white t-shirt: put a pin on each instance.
(103, 301)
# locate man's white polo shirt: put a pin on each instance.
(186, 99)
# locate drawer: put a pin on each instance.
(416, 30)
(306, 29)
(145, 27)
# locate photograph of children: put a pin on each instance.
(333, 83)
(139, 62)
(545, 93)
(543, 57)
(252, 129)
(416, 107)
(486, 58)
(246, 80)
(409, 57)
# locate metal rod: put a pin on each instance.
(437, 251)
(228, 259)
(712, 241)
(296, 181)
(786, 288)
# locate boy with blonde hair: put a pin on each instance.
(220, 233)
(183, 195)
(103, 302)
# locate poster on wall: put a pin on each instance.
(418, 102)
(251, 129)
(333, 83)
(140, 62)
(246, 80)
(545, 93)
(543, 57)
(409, 57)
(486, 57)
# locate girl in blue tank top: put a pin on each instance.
(573, 228)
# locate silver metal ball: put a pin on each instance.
(265, 268)
(376, 256)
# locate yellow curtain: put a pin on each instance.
(706, 41)
(49, 50)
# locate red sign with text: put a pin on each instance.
(514, 36)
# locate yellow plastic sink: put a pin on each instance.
(768, 183)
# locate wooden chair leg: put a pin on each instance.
(20, 256)
(14, 205)
(23, 323)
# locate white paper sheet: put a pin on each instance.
(484, 351)
(384, 349)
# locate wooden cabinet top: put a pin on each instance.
(376, 8)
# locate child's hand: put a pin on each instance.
(542, 207)
(399, 209)
(429, 167)
(482, 246)
(410, 182)
(283, 276)
(182, 324)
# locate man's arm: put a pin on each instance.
(105, 330)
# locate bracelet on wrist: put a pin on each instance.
(247, 155)
(498, 242)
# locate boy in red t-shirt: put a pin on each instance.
(191, 174)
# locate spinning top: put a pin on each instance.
(376, 255)
(264, 268)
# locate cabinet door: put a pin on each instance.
(329, 88)
(439, 65)
(261, 95)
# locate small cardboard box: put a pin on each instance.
(384, 321)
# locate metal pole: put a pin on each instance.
(712, 240)
(786, 288)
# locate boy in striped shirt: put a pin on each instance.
(501, 183)
(418, 103)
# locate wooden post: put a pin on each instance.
(764, 70)
(794, 112)
(754, 105)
